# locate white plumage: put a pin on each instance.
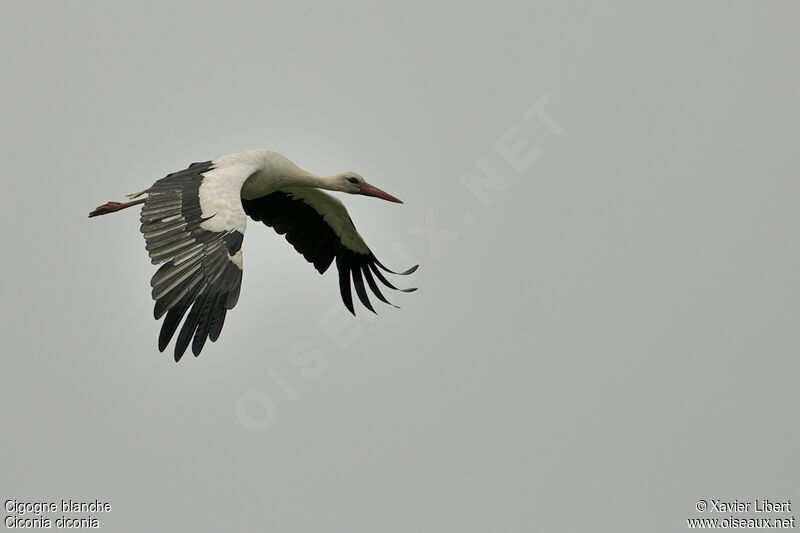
(194, 222)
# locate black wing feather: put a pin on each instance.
(374, 286)
(289, 214)
(344, 283)
(358, 283)
(199, 276)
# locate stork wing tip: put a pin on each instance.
(390, 271)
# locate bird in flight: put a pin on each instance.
(194, 220)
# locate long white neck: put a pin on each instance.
(282, 169)
(277, 171)
(307, 179)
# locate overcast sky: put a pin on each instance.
(603, 201)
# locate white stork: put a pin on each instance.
(193, 221)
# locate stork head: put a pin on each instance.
(353, 183)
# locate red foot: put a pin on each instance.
(111, 207)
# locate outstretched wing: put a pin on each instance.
(200, 246)
(318, 226)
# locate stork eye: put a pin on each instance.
(352, 180)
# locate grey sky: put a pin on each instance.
(610, 339)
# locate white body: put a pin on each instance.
(257, 173)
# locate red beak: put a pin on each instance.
(369, 190)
